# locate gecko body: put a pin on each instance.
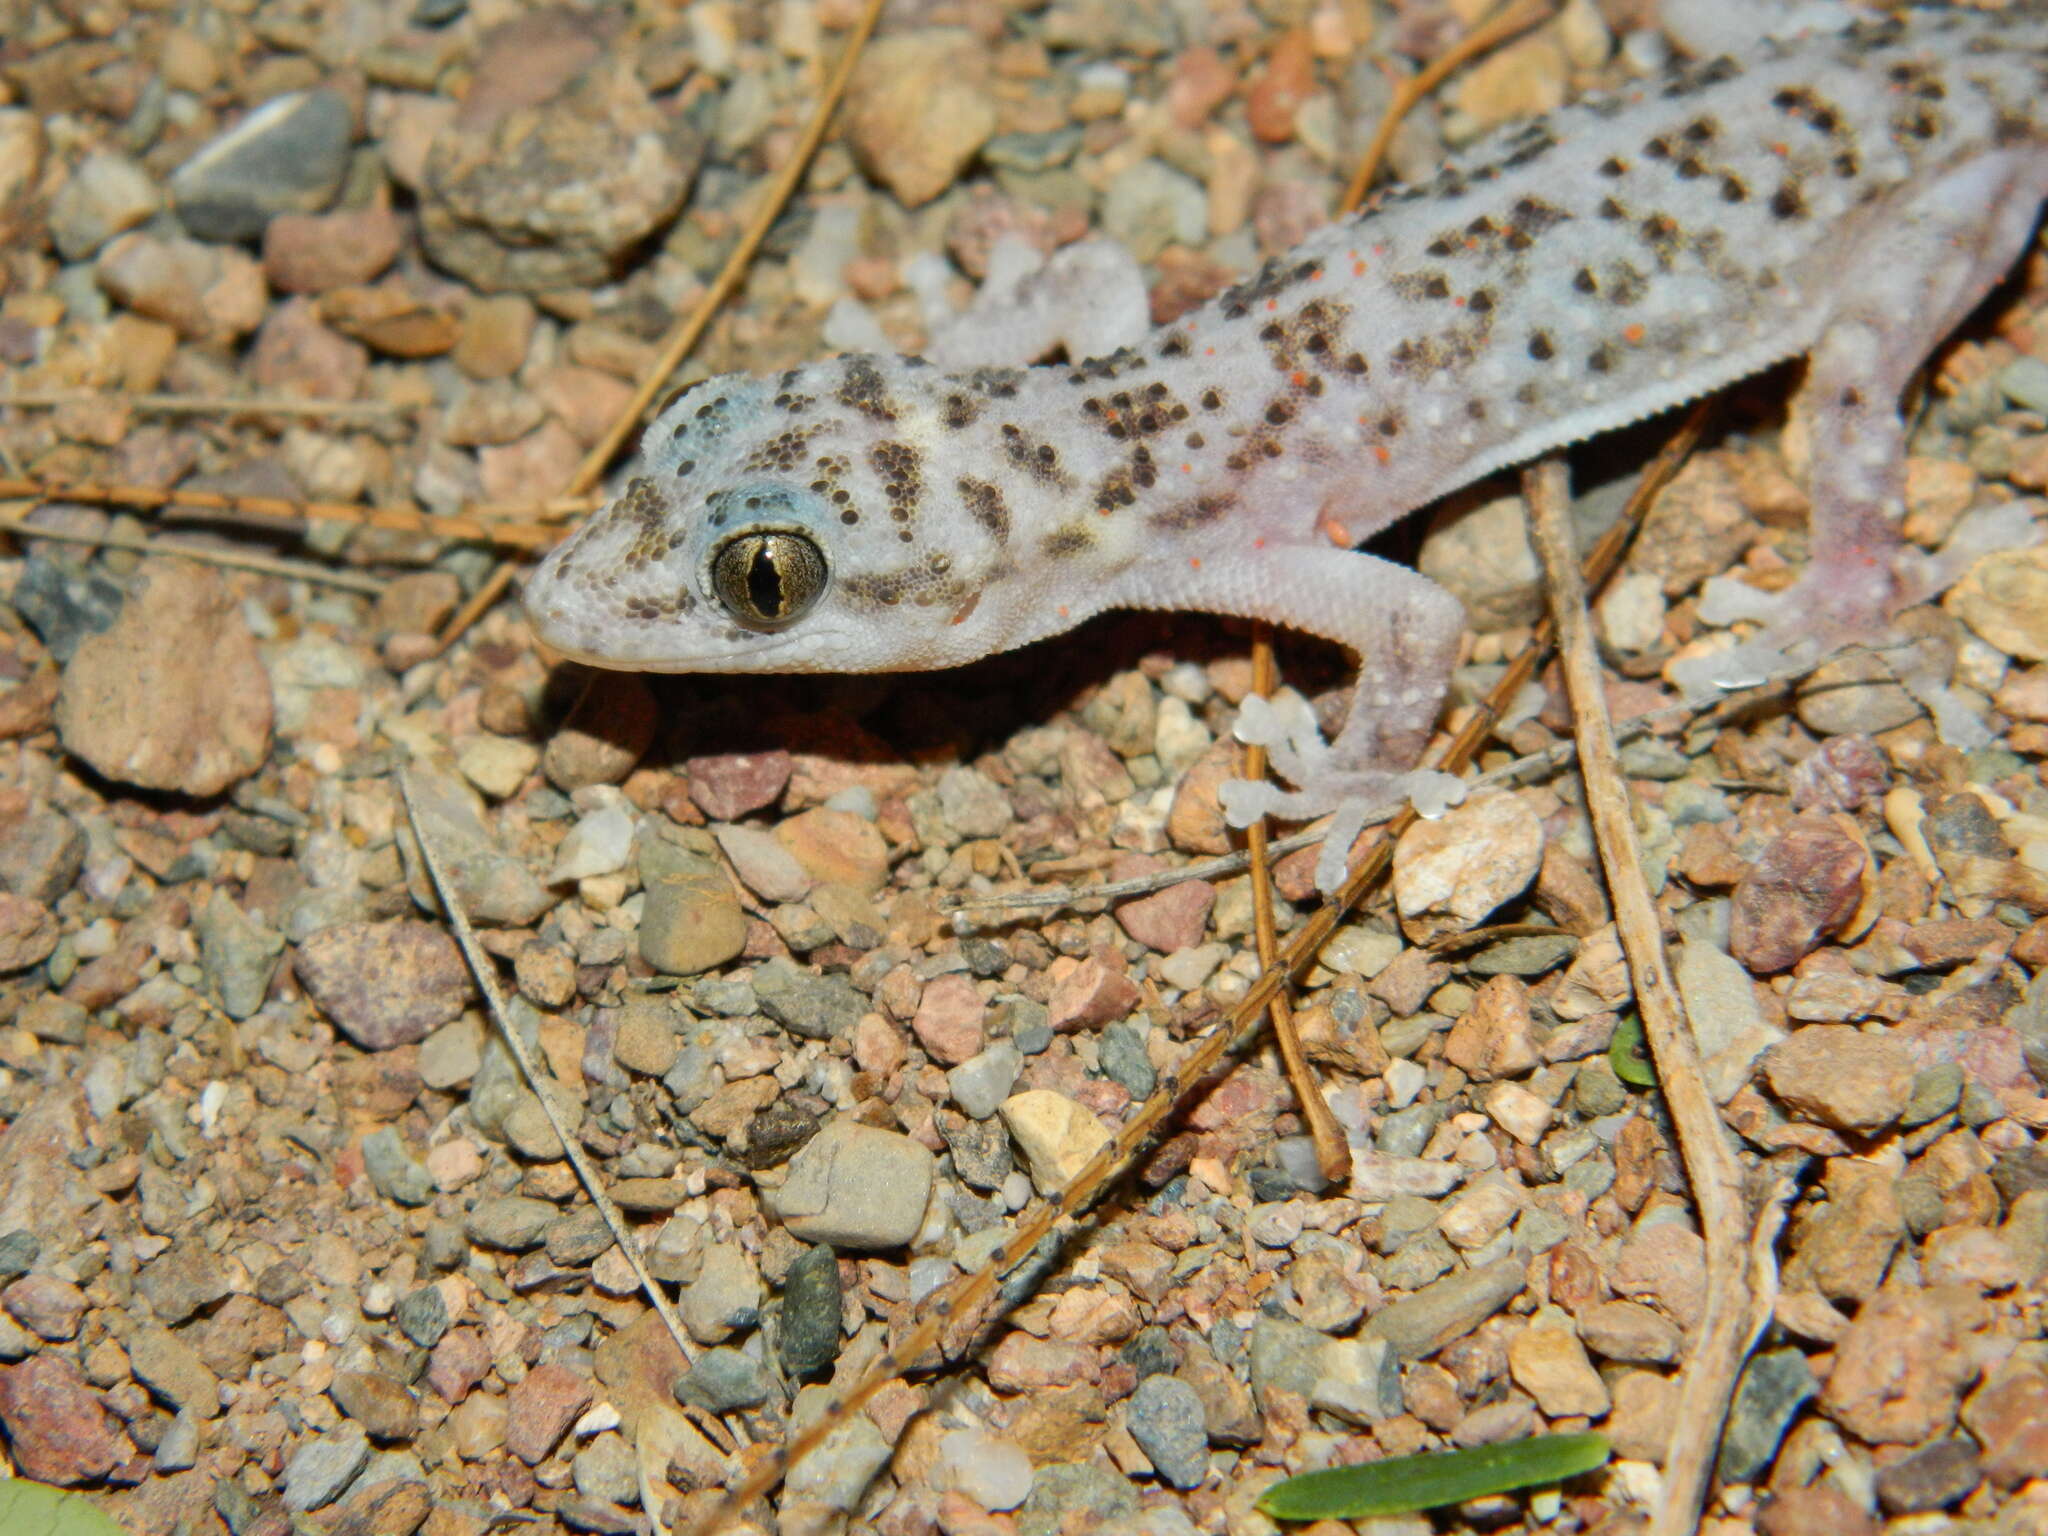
(1846, 197)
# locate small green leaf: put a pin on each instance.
(27, 1506)
(1629, 1054)
(1405, 1483)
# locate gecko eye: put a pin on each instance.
(769, 580)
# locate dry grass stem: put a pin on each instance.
(1707, 1384)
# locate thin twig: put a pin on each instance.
(1516, 18)
(487, 983)
(1333, 1151)
(273, 510)
(268, 565)
(205, 405)
(1707, 1384)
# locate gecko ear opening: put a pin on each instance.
(768, 579)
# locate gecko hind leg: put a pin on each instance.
(1921, 263)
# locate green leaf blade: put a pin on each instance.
(1403, 1484)
(1629, 1054)
(27, 1507)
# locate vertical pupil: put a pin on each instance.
(764, 583)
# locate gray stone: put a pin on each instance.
(607, 1469)
(1449, 1308)
(838, 1472)
(1721, 1002)
(510, 1223)
(238, 954)
(178, 1451)
(1124, 1060)
(1165, 1417)
(855, 1186)
(398, 1176)
(1360, 1380)
(1531, 955)
(494, 888)
(2024, 381)
(18, 1252)
(422, 1316)
(691, 918)
(1405, 1132)
(2028, 1018)
(319, 1470)
(1068, 1496)
(981, 1083)
(981, 1153)
(107, 194)
(1936, 1089)
(287, 156)
(65, 605)
(578, 1237)
(723, 1379)
(814, 1007)
(811, 1312)
(1150, 206)
(724, 1298)
(1773, 1388)
(1285, 1356)
(973, 803)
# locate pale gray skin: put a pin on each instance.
(1849, 198)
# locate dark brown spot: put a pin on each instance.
(861, 389)
(1788, 202)
(985, 504)
(1541, 347)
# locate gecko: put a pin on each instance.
(1846, 196)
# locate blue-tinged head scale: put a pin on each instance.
(792, 524)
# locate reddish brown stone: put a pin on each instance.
(728, 785)
(56, 1427)
(1172, 919)
(459, 1362)
(1091, 994)
(2009, 1417)
(384, 984)
(1801, 888)
(541, 1409)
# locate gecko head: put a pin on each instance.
(764, 532)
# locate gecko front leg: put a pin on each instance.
(1404, 629)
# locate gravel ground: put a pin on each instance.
(287, 1244)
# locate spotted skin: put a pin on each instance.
(1847, 197)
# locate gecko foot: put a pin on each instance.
(1828, 611)
(1353, 797)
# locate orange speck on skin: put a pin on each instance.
(1316, 276)
(1061, 610)
(1780, 150)
(1336, 532)
(1208, 351)
(1382, 453)
(1272, 304)
(1298, 379)
(1357, 268)
(1187, 469)
(1259, 543)
(1633, 334)
(1194, 562)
